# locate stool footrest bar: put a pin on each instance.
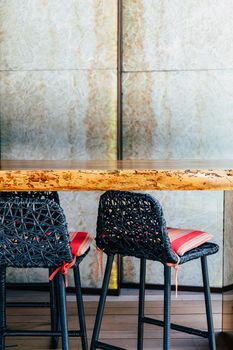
(28, 304)
(105, 346)
(12, 333)
(177, 327)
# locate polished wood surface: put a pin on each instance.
(68, 175)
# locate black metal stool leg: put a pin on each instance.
(81, 314)
(58, 326)
(102, 300)
(141, 304)
(53, 310)
(209, 314)
(63, 312)
(167, 308)
(2, 307)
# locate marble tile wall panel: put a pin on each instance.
(228, 239)
(58, 115)
(61, 115)
(181, 115)
(58, 34)
(178, 115)
(58, 90)
(82, 214)
(188, 209)
(177, 102)
(177, 34)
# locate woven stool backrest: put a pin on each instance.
(51, 195)
(33, 230)
(133, 224)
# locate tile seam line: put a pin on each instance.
(115, 69)
(176, 70)
(58, 70)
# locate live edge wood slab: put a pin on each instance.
(42, 175)
(64, 175)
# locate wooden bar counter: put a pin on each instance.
(64, 175)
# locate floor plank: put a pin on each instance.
(120, 322)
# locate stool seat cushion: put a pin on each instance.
(80, 243)
(191, 244)
(203, 250)
(183, 240)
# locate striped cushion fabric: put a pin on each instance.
(183, 240)
(80, 242)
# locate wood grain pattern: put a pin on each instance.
(122, 175)
(119, 322)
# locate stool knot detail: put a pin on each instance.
(80, 244)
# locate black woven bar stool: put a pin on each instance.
(132, 224)
(33, 233)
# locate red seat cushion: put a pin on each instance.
(183, 240)
(80, 242)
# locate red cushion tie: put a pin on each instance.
(64, 269)
(99, 263)
(177, 269)
(79, 245)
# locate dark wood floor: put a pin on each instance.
(120, 321)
